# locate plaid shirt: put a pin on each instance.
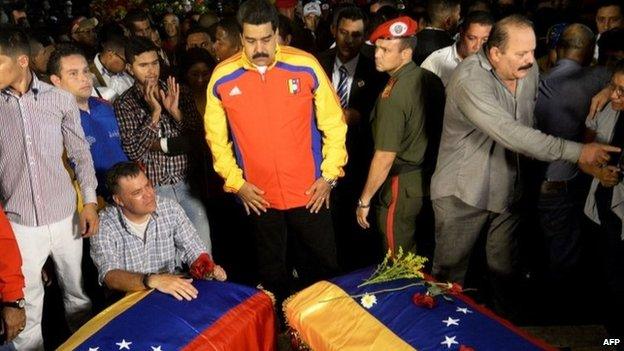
(137, 134)
(168, 232)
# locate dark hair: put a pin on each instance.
(197, 29)
(231, 27)
(606, 3)
(351, 13)
(499, 36)
(257, 12)
(136, 46)
(191, 57)
(619, 67)
(13, 42)
(40, 36)
(478, 17)
(115, 44)
(438, 10)
(135, 16)
(285, 26)
(61, 50)
(118, 171)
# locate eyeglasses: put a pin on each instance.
(118, 56)
(618, 90)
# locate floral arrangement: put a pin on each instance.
(116, 10)
(179, 7)
(406, 266)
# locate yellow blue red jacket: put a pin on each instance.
(285, 126)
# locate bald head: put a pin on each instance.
(576, 43)
(504, 28)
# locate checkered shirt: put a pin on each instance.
(169, 232)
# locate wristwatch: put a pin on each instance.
(362, 204)
(20, 303)
(332, 182)
(145, 280)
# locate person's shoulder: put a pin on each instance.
(125, 97)
(58, 93)
(167, 205)
(98, 102)
(291, 55)
(229, 65)
(327, 56)
(109, 215)
(440, 54)
(469, 72)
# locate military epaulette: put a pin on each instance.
(388, 89)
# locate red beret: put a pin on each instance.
(400, 27)
(283, 4)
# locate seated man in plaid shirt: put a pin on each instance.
(142, 236)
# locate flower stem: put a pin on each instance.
(375, 292)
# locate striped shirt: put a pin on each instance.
(137, 134)
(35, 188)
(169, 234)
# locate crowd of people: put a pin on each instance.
(314, 135)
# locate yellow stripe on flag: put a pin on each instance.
(99, 321)
(339, 324)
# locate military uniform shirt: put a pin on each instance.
(398, 121)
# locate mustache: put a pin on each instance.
(523, 68)
(259, 55)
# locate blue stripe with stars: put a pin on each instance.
(159, 322)
(447, 326)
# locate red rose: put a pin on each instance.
(465, 348)
(202, 267)
(424, 300)
(455, 289)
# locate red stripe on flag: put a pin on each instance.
(394, 188)
(249, 326)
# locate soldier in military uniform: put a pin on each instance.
(399, 132)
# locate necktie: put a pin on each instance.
(343, 93)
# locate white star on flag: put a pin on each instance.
(463, 310)
(449, 341)
(94, 348)
(156, 348)
(450, 321)
(124, 344)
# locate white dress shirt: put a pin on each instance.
(119, 82)
(442, 62)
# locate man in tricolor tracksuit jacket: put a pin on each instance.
(277, 135)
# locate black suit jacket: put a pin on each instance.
(366, 87)
(428, 41)
(367, 82)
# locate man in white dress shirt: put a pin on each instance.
(109, 68)
(474, 32)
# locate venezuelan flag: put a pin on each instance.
(394, 322)
(225, 316)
